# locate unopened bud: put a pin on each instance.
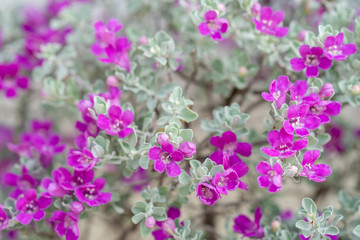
(242, 72)
(356, 89)
(163, 137)
(150, 222)
(188, 149)
(275, 225)
(77, 207)
(221, 7)
(112, 81)
(255, 9)
(326, 91)
(302, 35)
(143, 40)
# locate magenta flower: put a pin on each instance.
(229, 145)
(11, 80)
(335, 50)
(248, 228)
(118, 54)
(47, 146)
(168, 226)
(117, 123)
(81, 160)
(226, 181)
(278, 89)
(138, 180)
(188, 149)
(282, 144)
(77, 180)
(67, 224)
(105, 35)
(207, 193)
(41, 126)
(337, 141)
(298, 90)
(166, 157)
(54, 187)
(312, 60)
(299, 122)
(91, 195)
(213, 26)
(269, 22)
(6, 135)
(22, 183)
(314, 172)
(31, 208)
(271, 176)
(324, 109)
(4, 220)
(89, 128)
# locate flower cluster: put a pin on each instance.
(167, 227)
(308, 111)
(116, 49)
(167, 155)
(210, 189)
(316, 57)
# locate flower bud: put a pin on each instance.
(143, 40)
(302, 35)
(255, 9)
(163, 137)
(275, 225)
(356, 89)
(77, 207)
(242, 71)
(150, 222)
(169, 225)
(112, 81)
(188, 149)
(326, 91)
(221, 7)
(291, 171)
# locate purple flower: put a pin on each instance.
(47, 146)
(226, 181)
(213, 26)
(271, 176)
(41, 126)
(54, 187)
(248, 228)
(66, 224)
(118, 54)
(299, 122)
(138, 180)
(11, 80)
(269, 22)
(278, 89)
(166, 157)
(324, 109)
(229, 145)
(23, 183)
(117, 123)
(207, 193)
(105, 35)
(286, 215)
(31, 208)
(89, 128)
(336, 143)
(168, 226)
(91, 195)
(334, 50)
(4, 220)
(282, 144)
(188, 149)
(312, 60)
(81, 160)
(6, 135)
(317, 172)
(298, 90)
(77, 180)
(256, 9)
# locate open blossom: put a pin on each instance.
(168, 226)
(81, 160)
(323, 109)
(299, 121)
(23, 183)
(166, 157)
(78, 179)
(31, 207)
(271, 176)
(337, 141)
(4, 220)
(67, 224)
(207, 193)
(248, 228)
(312, 60)
(53, 186)
(11, 80)
(278, 89)
(282, 144)
(335, 50)
(213, 26)
(229, 145)
(269, 22)
(138, 180)
(105, 35)
(91, 195)
(227, 181)
(119, 53)
(314, 172)
(117, 123)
